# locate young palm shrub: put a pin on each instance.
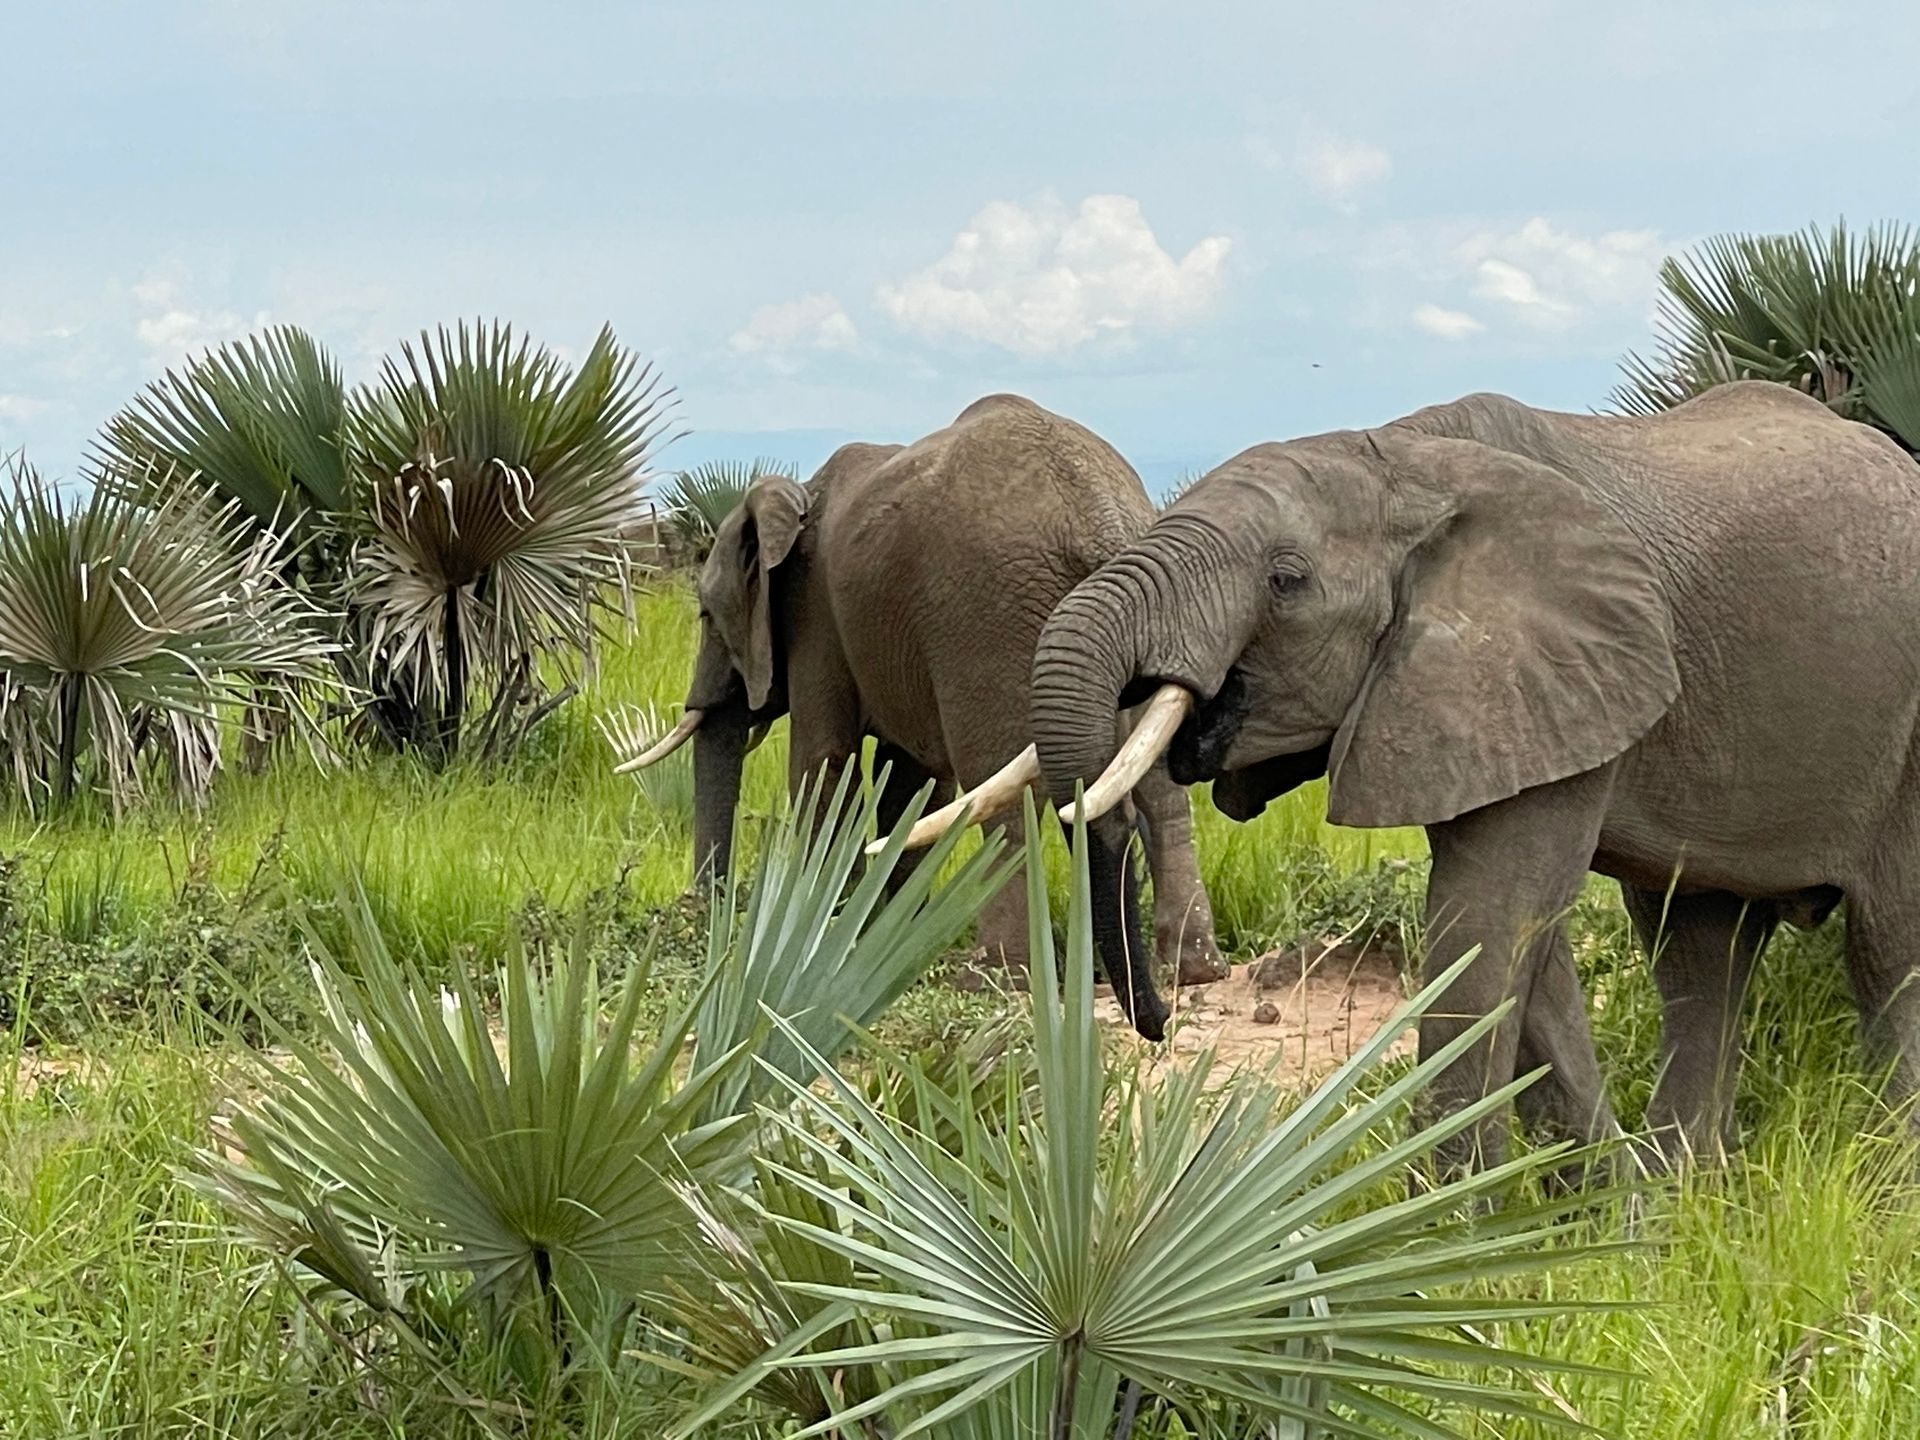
(1070, 1248)
(667, 784)
(124, 629)
(1835, 314)
(503, 492)
(474, 1188)
(697, 500)
(260, 423)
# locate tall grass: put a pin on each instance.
(448, 857)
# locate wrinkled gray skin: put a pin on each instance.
(900, 593)
(1683, 652)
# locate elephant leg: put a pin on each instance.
(1502, 879)
(906, 777)
(1182, 916)
(1702, 948)
(823, 739)
(1569, 1102)
(1883, 962)
(1002, 930)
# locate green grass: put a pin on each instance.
(1780, 1299)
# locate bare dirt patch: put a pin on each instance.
(1301, 1010)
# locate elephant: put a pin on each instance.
(900, 594)
(1680, 651)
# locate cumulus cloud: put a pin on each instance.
(1045, 279)
(1553, 278)
(813, 322)
(1446, 324)
(1341, 170)
(173, 327)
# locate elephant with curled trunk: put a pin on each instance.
(1681, 651)
(900, 594)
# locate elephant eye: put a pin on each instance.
(1287, 581)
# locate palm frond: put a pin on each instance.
(697, 500)
(124, 628)
(1016, 1278)
(420, 1133)
(1834, 313)
(260, 421)
(501, 493)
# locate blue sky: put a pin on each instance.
(1191, 226)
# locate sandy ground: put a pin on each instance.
(1301, 1010)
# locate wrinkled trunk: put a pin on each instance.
(719, 752)
(1171, 608)
(1083, 664)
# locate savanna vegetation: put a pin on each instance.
(369, 1072)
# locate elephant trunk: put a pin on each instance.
(1088, 660)
(1170, 609)
(1161, 612)
(719, 752)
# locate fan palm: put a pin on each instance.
(1023, 1274)
(1835, 314)
(500, 494)
(539, 1164)
(697, 500)
(261, 422)
(123, 628)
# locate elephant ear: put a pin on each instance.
(1531, 641)
(772, 512)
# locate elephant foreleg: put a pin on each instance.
(1702, 948)
(906, 777)
(1502, 879)
(1182, 916)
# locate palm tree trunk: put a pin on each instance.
(69, 759)
(456, 669)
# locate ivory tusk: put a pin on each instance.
(1169, 705)
(755, 736)
(665, 745)
(987, 799)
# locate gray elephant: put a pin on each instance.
(1681, 651)
(899, 594)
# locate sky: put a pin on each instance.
(1190, 226)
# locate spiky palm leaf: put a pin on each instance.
(260, 421)
(1014, 1279)
(123, 628)
(697, 500)
(501, 492)
(1833, 313)
(537, 1161)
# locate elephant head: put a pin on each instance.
(1433, 622)
(739, 677)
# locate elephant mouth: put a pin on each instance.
(1199, 749)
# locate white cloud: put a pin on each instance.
(813, 322)
(1342, 169)
(21, 408)
(1446, 324)
(1553, 278)
(1044, 280)
(174, 328)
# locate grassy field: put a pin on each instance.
(1779, 1299)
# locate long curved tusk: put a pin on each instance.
(1169, 705)
(755, 737)
(665, 745)
(987, 799)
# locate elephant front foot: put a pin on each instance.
(1192, 956)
